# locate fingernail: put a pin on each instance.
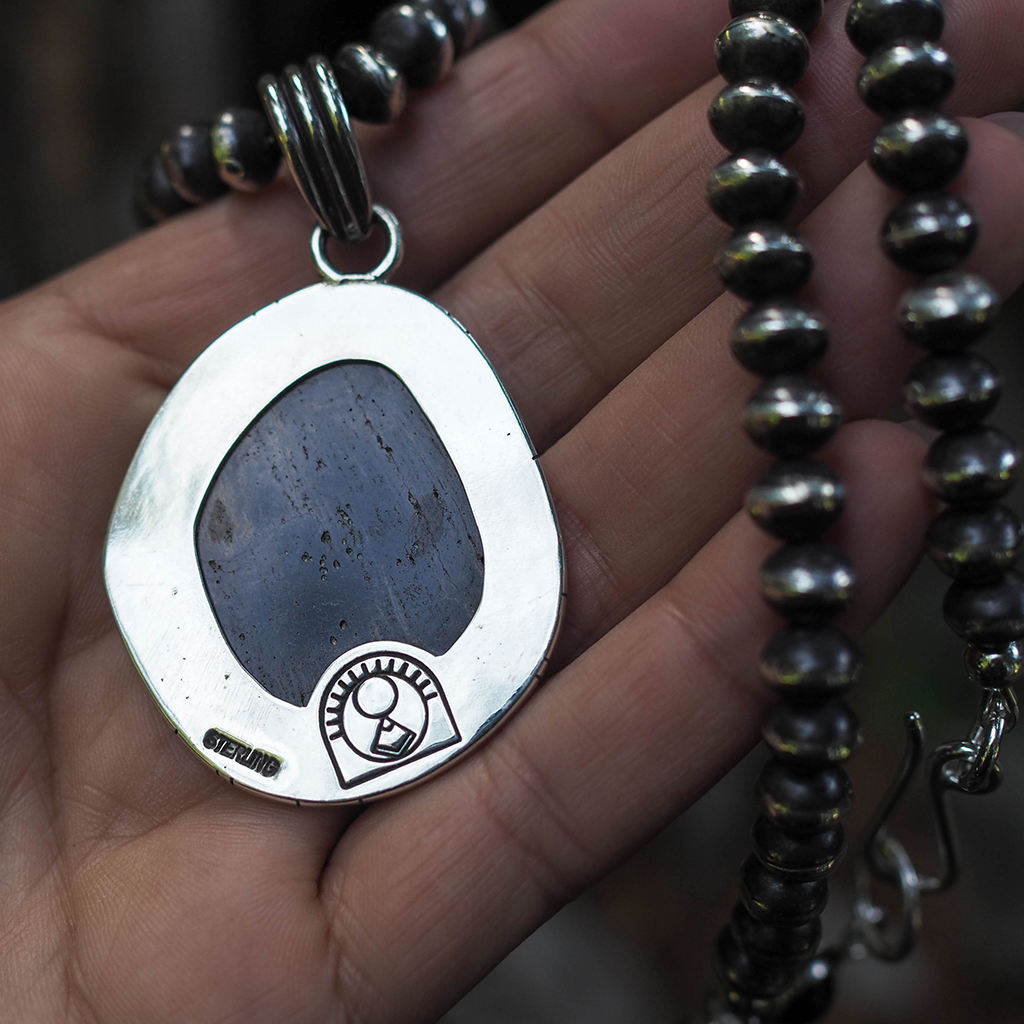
(1011, 120)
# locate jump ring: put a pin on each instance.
(387, 266)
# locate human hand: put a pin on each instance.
(552, 197)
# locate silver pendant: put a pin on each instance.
(334, 559)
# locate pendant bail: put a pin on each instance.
(309, 118)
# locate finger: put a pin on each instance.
(581, 292)
(667, 442)
(606, 754)
(115, 843)
(512, 124)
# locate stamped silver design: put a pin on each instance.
(382, 710)
(258, 761)
(156, 585)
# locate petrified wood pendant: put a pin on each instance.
(334, 559)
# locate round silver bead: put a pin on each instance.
(930, 232)
(948, 312)
(989, 614)
(373, 89)
(796, 500)
(973, 465)
(779, 337)
(919, 151)
(756, 185)
(874, 23)
(975, 543)
(247, 154)
(907, 75)
(762, 45)
(810, 664)
(808, 583)
(792, 416)
(757, 114)
(952, 392)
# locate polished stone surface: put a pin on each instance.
(337, 520)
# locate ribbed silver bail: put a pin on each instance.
(308, 115)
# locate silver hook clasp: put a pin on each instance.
(885, 857)
(947, 764)
(970, 766)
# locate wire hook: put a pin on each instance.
(885, 857)
(948, 766)
(877, 831)
(969, 766)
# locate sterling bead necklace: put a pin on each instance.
(397, 701)
(767, 958)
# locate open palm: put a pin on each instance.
(552, 197)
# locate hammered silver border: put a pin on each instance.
(152, 572)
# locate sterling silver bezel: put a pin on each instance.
(152, 570)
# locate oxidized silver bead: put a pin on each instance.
(988, 614)
(948, 312)
(792, 416)
(919, 152)
(952, 392)
(155, 198)
(190, 163)
(762, 45)
(975, 543)
(971, 466)
(483, 22)
(772, 895)
(779, 337)
(764, 261)
(930, 232)
(906, 76)
(804, 799)
(775, 943)
(808, 583)
(810, 664)
(753, 186)
(458, 19)
(802, 857)
(796, 500)
(246, 152)
(758, 114)
(812, 733)
(416, 42)
(874, 23)
(995, 669)
(805, 14)
(373, 89)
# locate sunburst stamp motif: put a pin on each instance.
(381, 711)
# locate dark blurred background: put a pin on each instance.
(90, 86)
